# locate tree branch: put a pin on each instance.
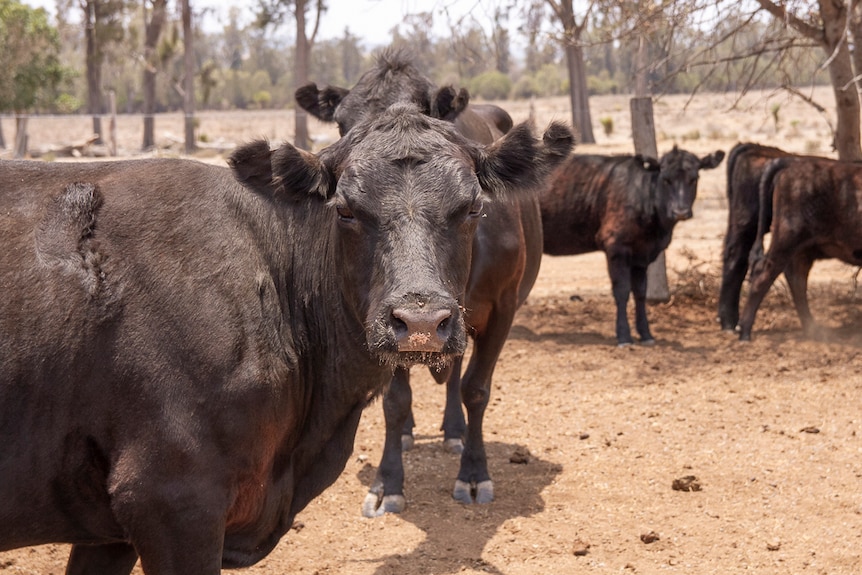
(801, 26)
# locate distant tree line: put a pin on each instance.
(134, 48)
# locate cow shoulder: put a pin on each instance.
(281, 173)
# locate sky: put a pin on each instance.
(370, 20)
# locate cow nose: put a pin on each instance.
(419, 329)
(680, 215)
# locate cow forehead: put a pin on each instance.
(680, 161)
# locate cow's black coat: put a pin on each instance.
(185, 350)
(626, 206)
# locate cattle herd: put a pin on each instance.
(186, 349)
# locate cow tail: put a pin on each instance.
(764, 213)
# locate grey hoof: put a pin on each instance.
(455, 446)
(376, 506)
(465, 493)
(648, 342)
(407, 442)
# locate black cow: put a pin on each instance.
(507, 251)
(185, 349)
(626, 206)
(745, 166)
(816, 214)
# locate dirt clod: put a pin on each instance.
(687, 483)
(650, 537)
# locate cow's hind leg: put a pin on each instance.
(386, 494)
(797, 278)
(454, 425)
(763, 275)
(113, 559)
(737, 246)
(639, 290)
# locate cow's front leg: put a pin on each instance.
(113, 559)
(619, 268)
(386, 494)
(639, 290)
(176, 523)
(474, 482)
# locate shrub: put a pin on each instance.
(491, 85)
(607, 125)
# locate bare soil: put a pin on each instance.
(698, 455)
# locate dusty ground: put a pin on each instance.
(772, 431)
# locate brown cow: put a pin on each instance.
(745, 166)
(816, 214)
(626, 206)
(507, 251)
(186, 350)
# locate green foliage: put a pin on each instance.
(602, 84)
(262, 99)
(491, 85)
(30, 69)
(607, 125)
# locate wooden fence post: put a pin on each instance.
(643, 134)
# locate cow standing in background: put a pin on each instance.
(746, 164)
(626, 206)
(186, 350)
(816, 213)
(507, 252)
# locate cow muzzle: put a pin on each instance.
(420, 329)
(682, 215)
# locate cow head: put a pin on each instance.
(400, 197)
(393, 79)
(677, 180)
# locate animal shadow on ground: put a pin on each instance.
(462, 531)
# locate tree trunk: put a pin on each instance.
(189, 84)
(847, 131)
(152, 33)
(94, 68)
(301, 65)
(2, 139)
(577, 72)
(643, 133)
(20, 135)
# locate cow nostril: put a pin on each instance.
(399, 326)
(420, 329)
(443, 326)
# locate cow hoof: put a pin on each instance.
(407, 442)
(466, 493)
(454, 445)
(648, 342)
(376, 506)
(623, 344)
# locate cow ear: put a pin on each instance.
(447, 103)
(281, 172)
(712, 160)
(320, 103)
(519, 160)
(649, 163)
(252, 165)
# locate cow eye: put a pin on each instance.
(344, 213)
(476, 207)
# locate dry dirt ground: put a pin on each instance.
(771, 430)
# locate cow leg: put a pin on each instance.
(474, 481)
(454, 425)
(763, 275)
(113, 559)
(639, 290)
(619, 268)
(797, 278)
(737, 246)
(386, 494)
